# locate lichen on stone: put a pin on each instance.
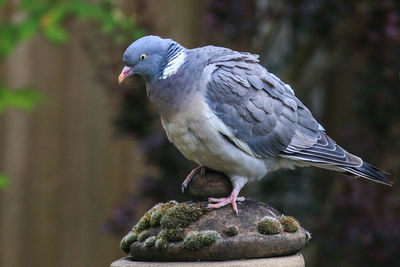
(143, 224)
(146, 221)
(155, 218)
(128, 240)
(172, 217)
(158, 211)
(161, 244)
(172, 235)
(150, 241)
(144, 235)
(231, 230)
(195, 240)
(289, 223)
(269, 226)
(181, 215)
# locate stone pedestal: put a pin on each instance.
(191, 234)
(295, 260)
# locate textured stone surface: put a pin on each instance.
(177, 232)
(248, 243)
(295, 260)
(212, 184)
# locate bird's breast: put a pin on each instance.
(193, 134)
(187, 131)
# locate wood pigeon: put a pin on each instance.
(224, 111)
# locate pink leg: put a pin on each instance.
(220, 202)
(195, 171)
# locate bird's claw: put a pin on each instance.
(232, 199)
(183, 187)
(190, 176)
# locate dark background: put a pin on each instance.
(82, 158)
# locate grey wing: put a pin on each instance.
(264, 114)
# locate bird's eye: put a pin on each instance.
(142, 57)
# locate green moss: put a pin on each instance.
(209, 237)
(161, 244)
(231, 230)
(181, 215)
(195, 240)
(150, 241)
(146, 221)
(172, 235)
(155, 218)
(289, 223)
(172, 216)
(159, 210)
(269, 226)
(143, 235)
(128, 240)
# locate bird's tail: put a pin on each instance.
(370, 172)
(328, 155)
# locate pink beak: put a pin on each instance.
(126, 72)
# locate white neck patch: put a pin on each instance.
(173, 65)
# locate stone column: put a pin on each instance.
(191, 234)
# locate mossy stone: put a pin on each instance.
(144, 235)
(180, 215)
(144, 223)
(202, 244)
(289, 223)
(161, 244)
(172, 235)
(231, 230)
(158, 210)
(150, 241)
(155, 218)
(269, 226)
(195, 240)
(128, 240)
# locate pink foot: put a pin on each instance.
(195, 171)
(220, 202)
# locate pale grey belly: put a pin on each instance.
(203, 144)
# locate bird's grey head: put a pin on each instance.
(146, 57)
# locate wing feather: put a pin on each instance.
(265, 116)
(262, 116)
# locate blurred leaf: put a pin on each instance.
(55, 34)
(23, 98)
(9, 38)
(28, 28)
(50, 16)
(4, 183)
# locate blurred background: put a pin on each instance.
(82, 158)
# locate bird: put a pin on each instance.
(224, 111)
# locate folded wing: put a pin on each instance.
(264, 117)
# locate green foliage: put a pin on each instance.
(49, 17)
(30, 17)
(23, 98)
(3, 182)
